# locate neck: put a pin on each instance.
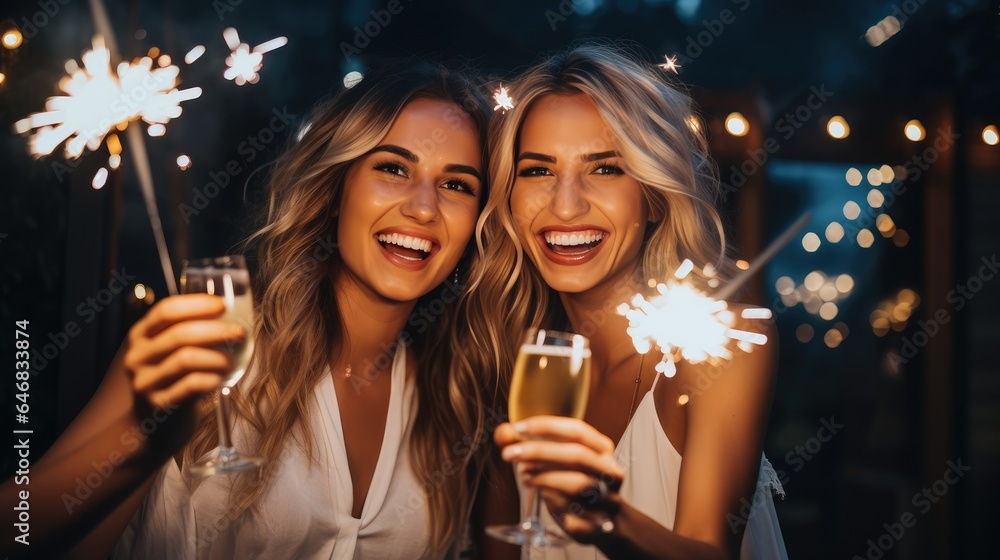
(371, 324)
(593, 313)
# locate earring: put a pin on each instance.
(454, 277)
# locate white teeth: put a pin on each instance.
(575, 238)
(407, 241)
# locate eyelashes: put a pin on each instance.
(600, 168)
(399, 170)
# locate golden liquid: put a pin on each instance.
(545, 382)
(240, 312)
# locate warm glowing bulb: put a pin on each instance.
(737, 125)
(838, 128)
(990, 135)
(12, 38)
(914, 131)
(183, 161)
(2, 77)
(139, 291)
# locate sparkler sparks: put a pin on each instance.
(685, 323)
(100, 99)
(504, 101)
(243, 62)
(670, 64)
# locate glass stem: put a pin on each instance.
(222, 413)
(535, 519)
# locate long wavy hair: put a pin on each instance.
(300, 328)
(660, 145)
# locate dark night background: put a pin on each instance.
(61, 240)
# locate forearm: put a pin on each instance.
(637, 536)
(69, 495)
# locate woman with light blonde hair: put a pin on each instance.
(352, 398)
(600, 183)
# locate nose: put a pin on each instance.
(421, 203)
(567, 201)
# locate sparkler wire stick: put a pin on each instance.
(726, 291)
(138, 145)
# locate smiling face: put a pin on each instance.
(579, 216)
(410, 204)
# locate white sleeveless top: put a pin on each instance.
(652, 471)
(305, 512)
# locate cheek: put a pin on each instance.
(462, 222)
(523, 207)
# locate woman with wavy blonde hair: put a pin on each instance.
(370, 437)
(599, 179)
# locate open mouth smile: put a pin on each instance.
(571, 246)
(407, 250)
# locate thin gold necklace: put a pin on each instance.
(635, 391)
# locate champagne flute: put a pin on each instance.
(551, 377)
(226, 277)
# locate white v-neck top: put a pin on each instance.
(652, 472)
(305, 512)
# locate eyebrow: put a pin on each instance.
(413, 158)
(398, 150)
(468, 169)
(586, 158)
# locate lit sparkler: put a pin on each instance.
(687, 323)
(99, 99)
(670, 64)
(244, 62)
(504, 101)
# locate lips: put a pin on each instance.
(571, 245)
(408, 249)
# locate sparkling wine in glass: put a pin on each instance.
(226, 277)
(551, 377)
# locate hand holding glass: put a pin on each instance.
(226, 277)
(551, 377)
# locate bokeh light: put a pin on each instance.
(737, 125)
(834, 232)
(810, 242)
(838, 128)
(852, 210)
(914, 131)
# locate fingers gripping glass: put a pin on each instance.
(551, 377)
(226, 277)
